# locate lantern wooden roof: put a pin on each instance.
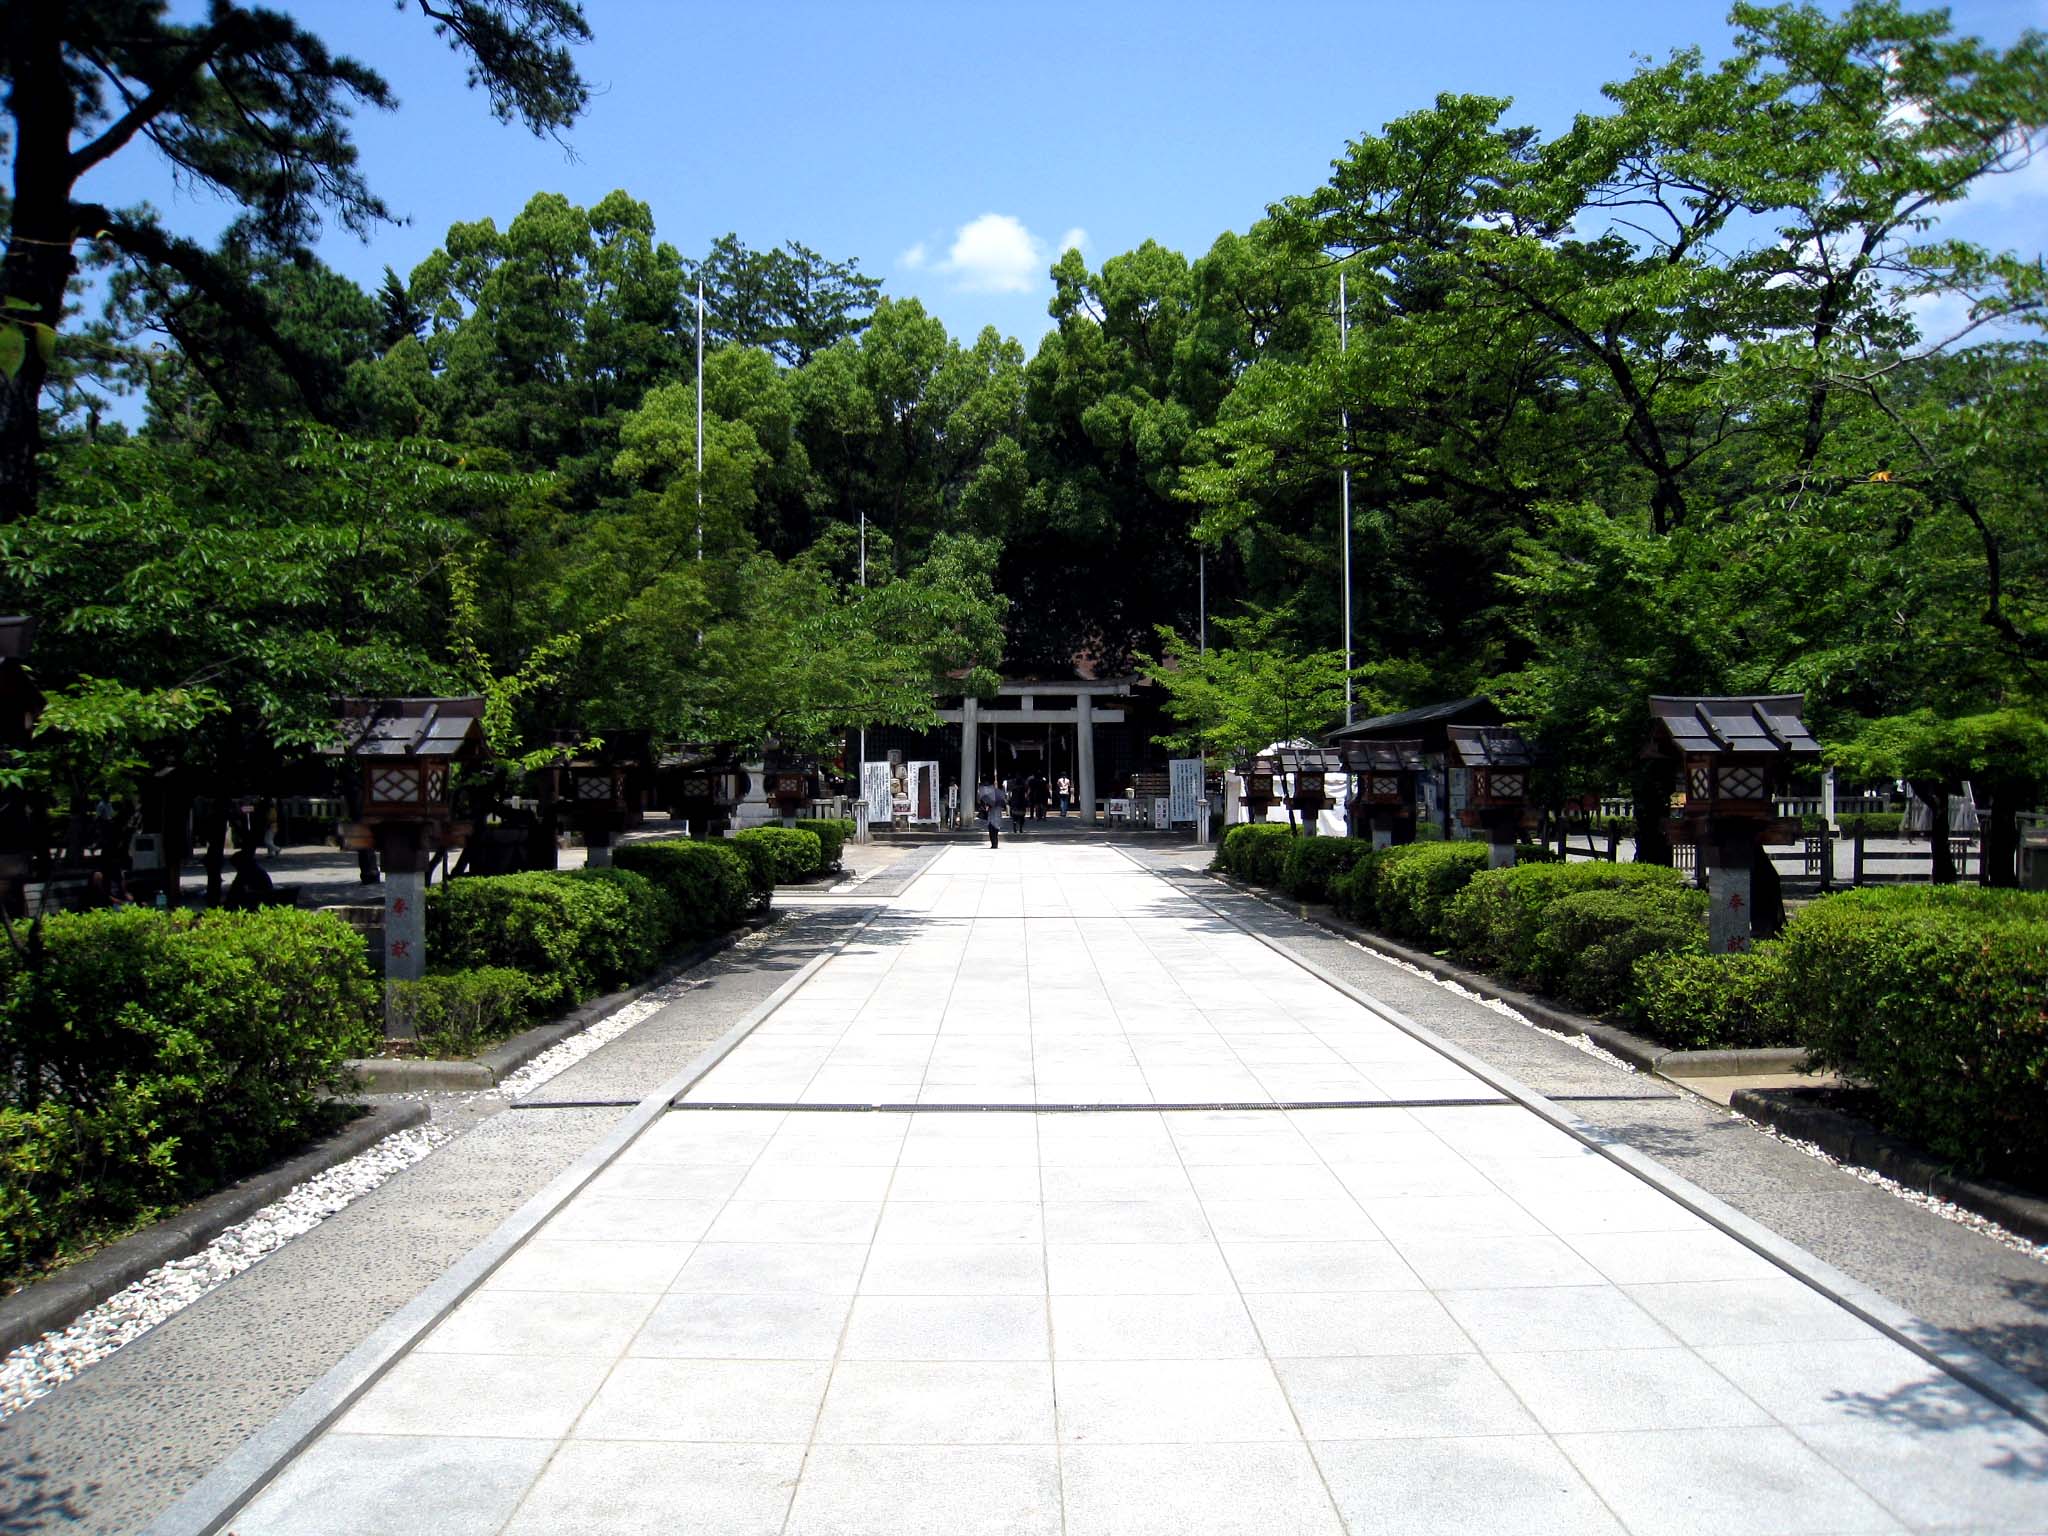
(1309, 760)
(1384, 756)
(387, 728)
(1759, 725)
(1489, 746)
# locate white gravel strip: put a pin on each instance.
(559, 1058)
(1947, 1210)
(55, 1358)
(1580, 1043)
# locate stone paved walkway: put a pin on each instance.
(1426, 1311)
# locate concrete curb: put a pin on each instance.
(379, 1074)
(50, 1305)
(1800, 1112)
(1976, 1370)
(216, 1498)
(1644, 1055)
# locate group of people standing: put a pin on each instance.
(1026, 799)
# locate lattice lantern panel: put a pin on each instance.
(1742, 782)
(395, 784)
(1700, 782)
(1507, 786)
(1384, 786)
(594, 787)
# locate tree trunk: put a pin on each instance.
(39, 263)
(1651, 785)
(216, 848)
(1999, 838)
(1934, 793)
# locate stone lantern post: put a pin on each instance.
(1388, 773)
(405, 752)
(1497, 762)
(1734, 755)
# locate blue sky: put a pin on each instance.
(953, 147)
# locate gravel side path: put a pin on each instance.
(1991, 1296)
(104, 1453)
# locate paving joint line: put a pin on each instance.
(1208, 1106)
(1974, 1369)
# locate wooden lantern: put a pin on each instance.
(1497, 764)
(1307, 766)
(404, 753)
(1387, 774)
(1734, 754)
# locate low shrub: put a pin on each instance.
(574, 932)
(793, 854)
(149, 1057)
(1414, 885)
(832, 835)
(649, 928)
(1870, 823)
(1537, 853)
(1311, 864)
(1936, 999)
(1255, 851)
(458, 1013)
(708, 880)
(1695, 1001)
(1496, 919)
(72, 1177)
(1355, 893)
(1588, 943)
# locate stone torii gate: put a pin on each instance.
(1022, 704)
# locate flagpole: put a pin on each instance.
(700, 418)
(1343, 347)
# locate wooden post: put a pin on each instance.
(1857, 878)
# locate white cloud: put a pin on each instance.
(995, 253)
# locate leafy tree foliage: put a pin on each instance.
(247, 104)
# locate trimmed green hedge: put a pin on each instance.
(832, 835)
(1695, 1001)
(1414, 886)
(1587, 944)
(457, 1013)
(708, 880)
(792, 854)
(575, 932)
(1872, 823)
(1936, 998)
(1497, 919)
(149, 1057)
(1255, 851)
(1356, 894)
(1311, 864)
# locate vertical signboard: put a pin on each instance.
(1185, 795)
(874, 788)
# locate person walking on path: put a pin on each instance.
(1066, 794)
(991, 799)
